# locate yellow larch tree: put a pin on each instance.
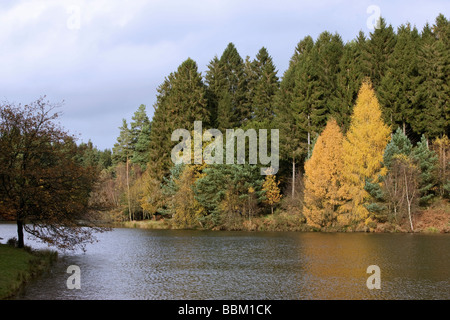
(363, 148)
(272, 191)
(322, 178)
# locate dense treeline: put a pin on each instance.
(363, 135)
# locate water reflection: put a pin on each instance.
(165, 264)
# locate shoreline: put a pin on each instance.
(19, 266)
(284, 223)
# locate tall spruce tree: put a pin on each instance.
(288, 120)
(348, 80)
(160, 143)
(140, 127)
(263, 87)
(398, 86)
(181, 101)
(231, 91)
(377, 52)
(432, 94)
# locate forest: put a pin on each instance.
(363, 129)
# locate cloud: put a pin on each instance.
(106, 57)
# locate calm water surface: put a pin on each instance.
(174, 264)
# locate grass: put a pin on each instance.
(18, 266)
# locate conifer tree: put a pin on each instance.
(433, 91)
(140, 134)
(231, 90)
(348, 81)
(398, 86)
(288, 120)
(363, 148)
(181, 100)
(123, 148)
(160, 143)
(323, 178)
(427, 162)
(399, 144)
(263, 87)
(377, 52)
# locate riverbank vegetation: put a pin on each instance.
(18, 266)
(363, 139)
(363, 132)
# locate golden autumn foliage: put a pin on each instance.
(363, 149)
(322, 177)
(272, 191)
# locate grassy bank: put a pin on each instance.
(18, 266)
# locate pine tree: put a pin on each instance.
(363, 148)
(323, 178)
(426, 161)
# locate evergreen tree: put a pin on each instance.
(398, 86)
(263, 86)
(231, 91)
(123, 148)
(140, 134)
(227, 191)
(377, 51)
(160, 143)
(348, 81)
(426, 160)
(288, 120)
(433, 90)
(213, 88)
(399, 144)
(187, 98)
(181, 100)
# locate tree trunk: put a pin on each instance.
(293, 176)
(128, 193)
(20, 242)
(408, 201)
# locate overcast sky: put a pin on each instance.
(104, 57)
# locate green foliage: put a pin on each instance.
(426, 160)
(399, 144)
(227, 192)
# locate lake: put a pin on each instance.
(177, 264)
